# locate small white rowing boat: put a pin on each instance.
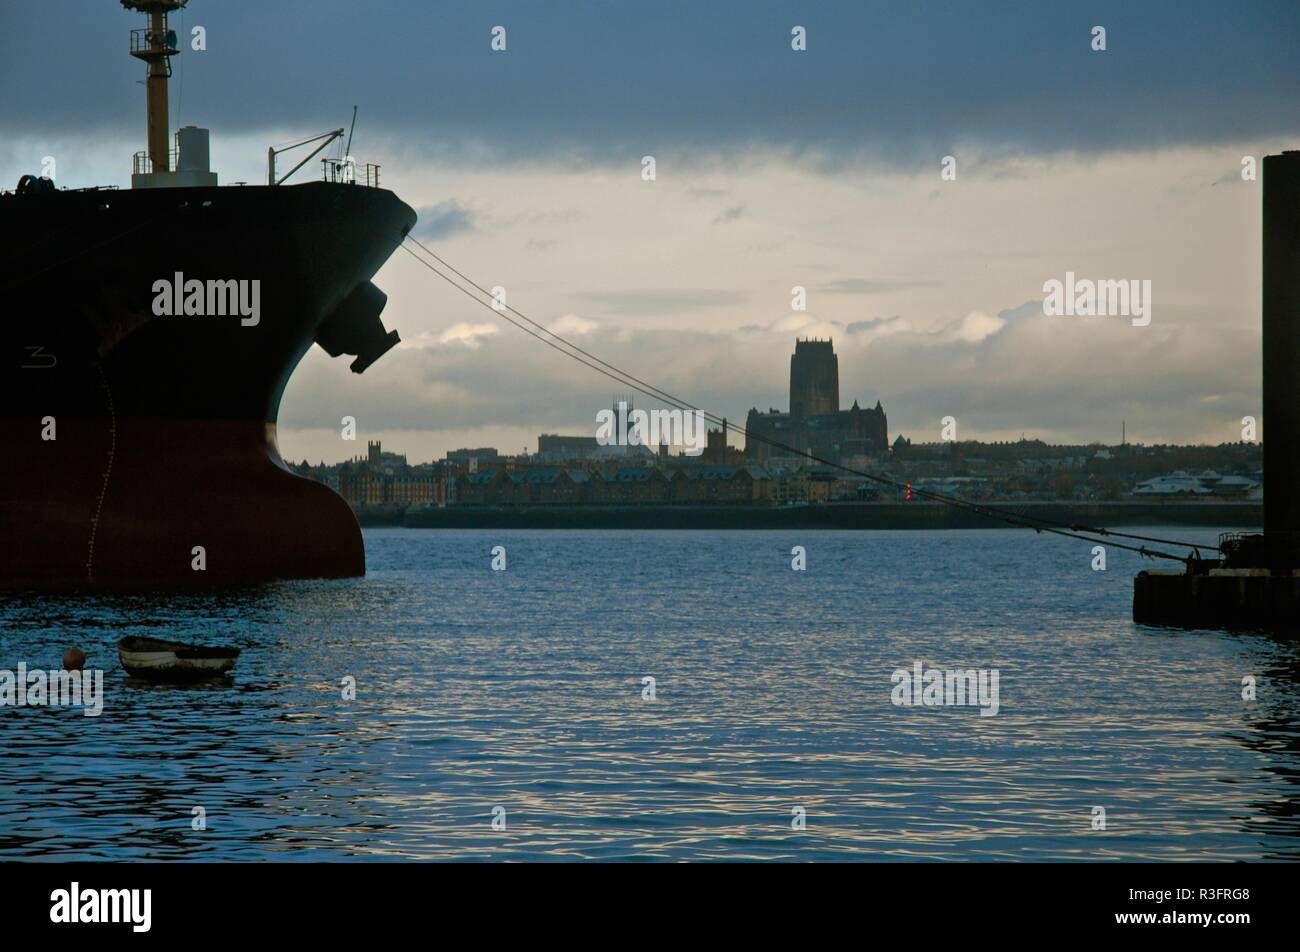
(171, 660)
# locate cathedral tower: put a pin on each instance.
(814, 379)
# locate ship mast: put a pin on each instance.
(156, 45)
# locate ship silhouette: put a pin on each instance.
(140, 445)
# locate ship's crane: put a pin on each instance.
(272, 152)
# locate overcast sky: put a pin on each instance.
(775, 168)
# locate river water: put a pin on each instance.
(503, 714)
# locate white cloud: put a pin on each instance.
(571, 325)
(975, 327)
(467, 334)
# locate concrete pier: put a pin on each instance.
(1222, 598)
(1256, 582)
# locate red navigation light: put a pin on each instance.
(909, 489)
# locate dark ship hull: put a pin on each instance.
(165, 426)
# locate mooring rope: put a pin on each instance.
(553, 340)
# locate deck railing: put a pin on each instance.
(350, 172)
(142, 41)
(141, 164)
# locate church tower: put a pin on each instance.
(814, 379)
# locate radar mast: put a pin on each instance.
(156, 45)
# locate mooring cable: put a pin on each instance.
(993, 511)
(626, 379)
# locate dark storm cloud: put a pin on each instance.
(587, 81)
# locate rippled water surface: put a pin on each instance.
(522, 690)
